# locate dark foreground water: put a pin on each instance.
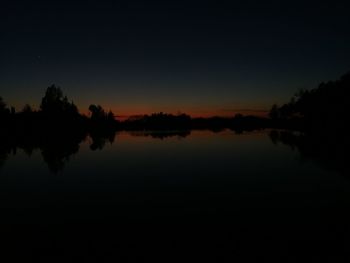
(204, 195)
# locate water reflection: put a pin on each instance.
(3, 156)
(57, 149)
(161, 134)
(143, 190)
(328, 151)
(99, 139)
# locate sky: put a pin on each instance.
(204, 58)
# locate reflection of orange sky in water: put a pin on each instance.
(132, 140)
(198, 134)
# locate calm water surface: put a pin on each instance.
(216, 195)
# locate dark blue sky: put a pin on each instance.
(201, 57)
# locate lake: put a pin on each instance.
(173, 196)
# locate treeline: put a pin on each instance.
(324, 107)
(164, 121)
(321, 114)
(58, 114)
(57, 128)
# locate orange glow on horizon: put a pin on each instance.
(123, 114)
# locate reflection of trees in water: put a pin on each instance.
(56, 153)
(6, 148)
(328, 150)
(56, 148)
(98, 143)
(161, 134)
(3, 158)
(100, 138)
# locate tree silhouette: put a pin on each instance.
(274, 112)
(110, 116)
(27, 109)
(2, 104)
(97, 113)
(326, 105)
(54, 103)
(3, 107)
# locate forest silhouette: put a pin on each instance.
(322, 107)
(325, 107)
(57, 128)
